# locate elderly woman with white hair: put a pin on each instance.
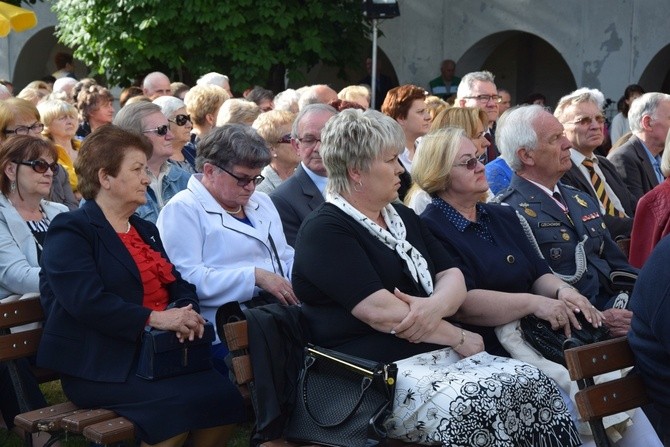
(376, 284)
(238, 111)
(183, 154)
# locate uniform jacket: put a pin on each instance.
(557, 235)
(632, 163)
(618, 226)
(19, 267)
(92, 295)
(218, 253)
(295, 199)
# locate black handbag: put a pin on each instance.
(162, 355)
(342, 400)
(548, 342)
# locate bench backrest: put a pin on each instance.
(16, 345)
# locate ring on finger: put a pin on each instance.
(284, 293)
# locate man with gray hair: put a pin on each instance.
(303, 192)
(563, 223)
(316, 94)
(214, 78)
(580, 112)
(638, 161)
(156, 84)
(478, 89)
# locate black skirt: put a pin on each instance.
(162, 409)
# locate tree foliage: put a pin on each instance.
(251, 41)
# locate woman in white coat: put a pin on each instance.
(224, 237)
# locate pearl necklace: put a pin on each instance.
(239, 208)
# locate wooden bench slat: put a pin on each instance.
(107, 432)
(599, 358)
(20, 312)
(236, 335)
(611, 397)
(31, 421)
(77, 422)
(19, 345)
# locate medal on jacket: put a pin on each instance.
(581, 201)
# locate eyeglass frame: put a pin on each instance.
(285, 139)
(242, 181)
(484, 99)
(309, 144)
(19, 130)
(587, 120)
(469, 162)
(44, 165)
(161, 131)
(181, 117)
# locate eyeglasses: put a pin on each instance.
(309, 142)
(471, 163)
(243, 181)
(180, 120)
(160, 130)
(486, 98)
(39, 166)
(25, 130)
(587, 120)
(286, 139)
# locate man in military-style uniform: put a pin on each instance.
(565, 222)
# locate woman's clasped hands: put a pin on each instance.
(184, 321)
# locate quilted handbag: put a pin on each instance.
(162, 355)
(548, 342)
(342, 400)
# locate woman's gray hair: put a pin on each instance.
(232, 145)
(354, 139)
(644, 105)
(131, 116)
(169, 105)
(516, 131)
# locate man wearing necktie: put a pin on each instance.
(637, 161)
(583, 121)
(565, 223)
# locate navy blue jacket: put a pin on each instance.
(92, 295)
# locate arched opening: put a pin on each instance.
(523, 64)
(36, 59)
(656, 77)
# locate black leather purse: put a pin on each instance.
(162, 355)
(342, 400)
(548, 342)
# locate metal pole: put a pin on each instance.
(373, 72)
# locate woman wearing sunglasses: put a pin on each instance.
(21, 117)
(275, 128)
(27, 165)
(221, 235)
(183, 151)
(167, 179)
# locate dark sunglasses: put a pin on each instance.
(243, 181)
(39, 166)
(471, 163)
(160, 130)
(285, 139)
(180, 120)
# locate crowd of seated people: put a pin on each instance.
(296, 198)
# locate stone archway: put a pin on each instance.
(656, 77)
(523, 64)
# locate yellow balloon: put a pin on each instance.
(20, 19)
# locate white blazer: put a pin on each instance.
(218, 253)
(19, 268)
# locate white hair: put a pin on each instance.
(515, 131)
(468, 82)
(214, 79)
(646, 104)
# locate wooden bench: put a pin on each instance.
(96, 425)
(237, 338)
(595, 401)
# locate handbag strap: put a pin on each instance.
(365, 385)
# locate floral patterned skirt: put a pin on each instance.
(480, 401)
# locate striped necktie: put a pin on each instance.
(599, 187)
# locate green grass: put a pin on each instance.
(54, 394)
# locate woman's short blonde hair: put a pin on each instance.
(53, 109)
(203, 100)
(466, 118)
(435, 105)
(435, 158)
(353, 139)
(353, 93)
(238, 111)
(269, 124)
